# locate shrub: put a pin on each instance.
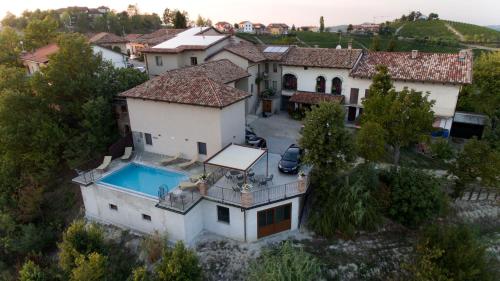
(31, 272)
(179, 264)
(153, 246)
(414, 196)
(92, 268)
(442, 149)
(140, 274)
(349, 205)
(461, 256)
(285, 263)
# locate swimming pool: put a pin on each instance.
(144, 179)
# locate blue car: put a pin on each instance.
(290, 160)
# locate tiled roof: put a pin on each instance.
(158, 36)
(275, 56)
(107, 38)
(204, 85)
(133, 36)
(41, 55)
(322, 57)
(426, 67)
(315, 98)
(246, 50)
(277, 25)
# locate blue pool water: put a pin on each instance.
(143, 179)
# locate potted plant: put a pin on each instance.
(247, 187)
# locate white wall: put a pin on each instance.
(234, 230)
(233, 124)
(118, 60)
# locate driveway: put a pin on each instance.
(279, 130)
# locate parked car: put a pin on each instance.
(291, 160)
(257, 142)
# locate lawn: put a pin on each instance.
(476, 33)
(435, 29)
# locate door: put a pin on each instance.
(274, 220)
(351, 115)
(267, 106)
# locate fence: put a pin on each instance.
(180, 202)
(225, 194)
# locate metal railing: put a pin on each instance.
(274, 193)
(88, 177)
(224, 194)
(180, 202)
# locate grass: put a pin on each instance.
(476, 33)
(434, 29)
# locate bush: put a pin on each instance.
(460, 256)
(179, 264)
(442, 149)
(347, 204)
(153, 246)
(285, 263)
(414, 196)
(31, 272)
(92, 268)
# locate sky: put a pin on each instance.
(298, 12)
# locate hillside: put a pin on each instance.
(476, 33)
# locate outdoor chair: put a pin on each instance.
(188, 164)
(105, 164)
(185, 185)
(263, 182)
(127, 154)
(170, 160)
(270, 178)
(228, 177)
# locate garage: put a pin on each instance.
(274, 220)
(467, 125)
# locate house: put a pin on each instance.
(132, 46)
(189, 47)
(132, 10)
(277, 28)
(39, 58)
(196, 112)
(224, 26)
(309, 28)
(109, 40)
(137, 43)
(246, 27)
(259, 28)
(366, 28)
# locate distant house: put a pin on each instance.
(259, 28)
(110, 40)
(277, 28)
(137, 43)
(224, 26)
(366, 28)
(246, 27)
(309, 28)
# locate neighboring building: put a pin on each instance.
(136, 45)
(277, 28)
(40, 57)
(366, 28)
(110, 40)
(132, 10)
(259, 28)
(224, 26)
(189, 47)
(246, 27)
(133, 48)
(309, 28)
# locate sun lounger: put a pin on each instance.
(105, 164)
(170, 160)
(188, 164)
(187, 185)
(127, 154)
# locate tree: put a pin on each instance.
(31, 272)
(285, 263)
(406, 116)
(415, 196)
(179, 264)
(487, 82)
(476, 162)
(329, 146)
(433, 16)
(392, 45)
(375, 44)
(140, 274)
(370, 142)
(91, 268)
(10, 48)
(168, 16)
(321, 24)
(39, 33)
(200, 21)
(236, 26)
(350, 27)
(13, 78)
(180, 19)
(293, 27)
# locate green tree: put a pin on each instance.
(423, 267)
(92, 268)
(178, 264)
(487, 82)
(293, 27)
(140, 274)
(200, 21)
(392, 45)
(415, 196)
(321, 24)
(9, 48)
(350, 27)
(31, 272)
(39, 33)
(168, 16)
(406, 116)
(285, 262)
(370, 141)
(476, 162)
(328, 144)
(13, 78)
(375, 44)
(180, 19)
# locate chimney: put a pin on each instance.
(349, 45)
(414, 54)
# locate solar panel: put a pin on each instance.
(275, 49)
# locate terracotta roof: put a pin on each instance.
(426, 67)
(158, 36)
(315, 98)
(277, 25)
(322, 57)
(133, 36)
(107, 38)
(246, 50)
(41, 55)
(204, 85)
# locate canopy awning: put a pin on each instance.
(236, 157)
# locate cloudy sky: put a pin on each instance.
(298, 12)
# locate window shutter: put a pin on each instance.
(354, 96)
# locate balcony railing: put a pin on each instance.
(178, 202)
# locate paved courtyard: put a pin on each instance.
(279, 130)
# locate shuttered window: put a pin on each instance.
(354, 96)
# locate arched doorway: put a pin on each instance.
(336, 86)
(320, 84)
(289, 82)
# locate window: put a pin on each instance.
(146, 217)
(149, 140)
(320, 84)
(266, 84)
(275, 85)
(223, 214)
(336, 86)
(113, 207)
(194, 60)
(266, 67)
(354, 96)
(275, 67)
(251, 88)
(289, 82)
(159, 60)
(202, 148)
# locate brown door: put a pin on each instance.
(274, 220)
(351, 115)
(267, 106)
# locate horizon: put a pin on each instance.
(482, 13)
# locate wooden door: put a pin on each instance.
(267, 106)
(274, 220)
(351, 115)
